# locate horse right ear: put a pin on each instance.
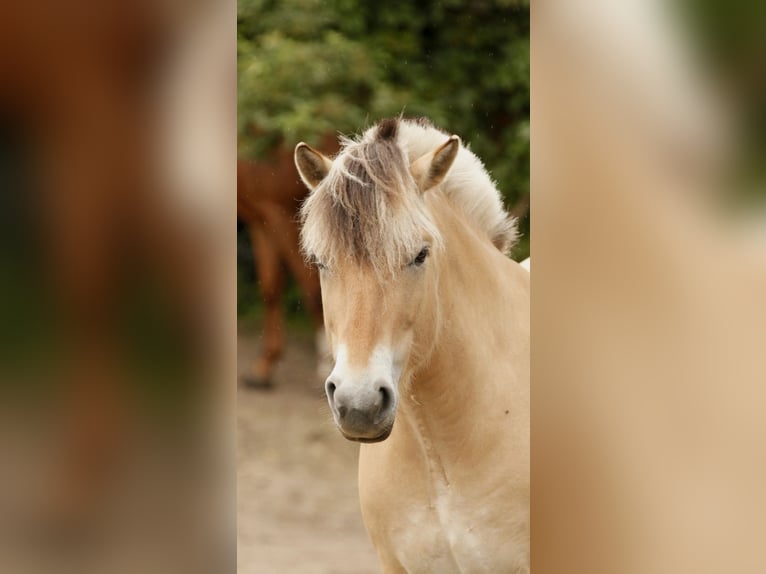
(312, 165)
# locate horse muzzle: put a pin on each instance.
(364, 412)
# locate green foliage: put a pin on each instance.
(731, 41)
(312, 67)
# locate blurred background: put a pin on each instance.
(117, 282)
(648, 311)
(311, 70)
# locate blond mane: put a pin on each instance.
(369, 209)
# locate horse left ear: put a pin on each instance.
(312, 166)
(431, 168)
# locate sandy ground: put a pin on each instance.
(298, 509)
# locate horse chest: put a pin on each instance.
(442, 537)
(448, 533)
(421, 522)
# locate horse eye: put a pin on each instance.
(420, 259)
(317, 263)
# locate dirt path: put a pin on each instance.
(298, 511)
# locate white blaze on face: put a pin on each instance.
(380, 366)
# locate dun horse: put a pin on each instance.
(268, 196)
(428, 322)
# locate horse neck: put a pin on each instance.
(478, 370)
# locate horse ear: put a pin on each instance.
(312, 165)
(431, 168)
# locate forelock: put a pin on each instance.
(368, 209)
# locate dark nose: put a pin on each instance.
(358, 407)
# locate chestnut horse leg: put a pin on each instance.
(271, 280)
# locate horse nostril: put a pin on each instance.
(386, 398)
(330, 389)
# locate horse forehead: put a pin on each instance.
(363, 296)
(358, 281)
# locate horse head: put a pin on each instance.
(368, 229)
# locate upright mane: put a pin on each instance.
(468, 185)
(368, 207)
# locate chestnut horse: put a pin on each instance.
(269, 194)
(428, 322)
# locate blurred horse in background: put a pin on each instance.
(269, 193)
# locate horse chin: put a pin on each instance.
(380, 438)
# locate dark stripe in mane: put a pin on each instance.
(387, 129)
(378, 173)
